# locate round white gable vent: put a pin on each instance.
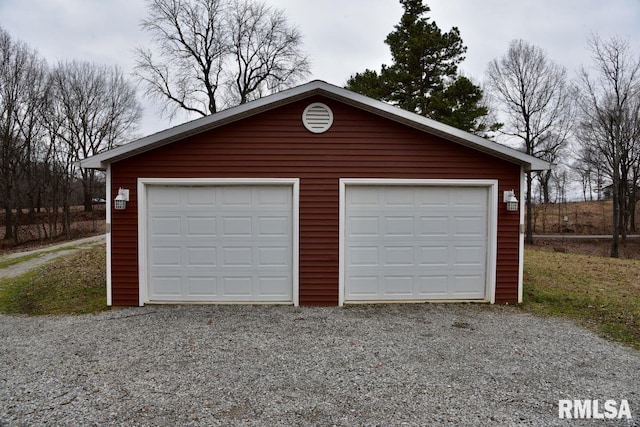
(317, 117)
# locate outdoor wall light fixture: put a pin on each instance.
(120, 203)
(509, 198)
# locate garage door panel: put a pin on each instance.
(166, 226)
(398, 256)
(401, 197)
(434, 285)
(201, 226)
(469, 197)
(398, 286)
(365, 199)
(362, 256)
(470, 226)
(164, 197)
(436, 197)
(241, 286)
(273, 226)
(429, 226)
(469, 256)
(433, 256)
(166, 256)
(220, 243)
(237, 226)
(364, 287)
(364, 226)
(274, 198)
(234, 197)
(274, 256)
(415, 242)
(399, 226)
(274, 287)
(465, 286)
(199, 197)
(167, 286)
(201, 256)
(237, 256)
(202, 286)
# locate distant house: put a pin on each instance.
(313, 196)
(606, 193)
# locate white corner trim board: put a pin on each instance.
(415, 240)
(108, 236)
(187, 220)
(521, 238)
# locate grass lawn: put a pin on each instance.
(74, 284)
(600, 293)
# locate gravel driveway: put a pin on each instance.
(269, 365)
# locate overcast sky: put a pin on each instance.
(342, 37)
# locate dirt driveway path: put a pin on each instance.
(37, 257)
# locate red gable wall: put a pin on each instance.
(275, 144)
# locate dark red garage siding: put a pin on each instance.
(275, 144)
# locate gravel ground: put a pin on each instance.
(268, 365)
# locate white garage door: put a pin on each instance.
(415, 243)
(219, 243)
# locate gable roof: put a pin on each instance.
(316, 87)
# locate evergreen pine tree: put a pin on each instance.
(423, 77)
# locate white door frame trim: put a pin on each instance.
(492, 218)
(143, 184)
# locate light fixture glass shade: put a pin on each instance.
(512, 203)
(120, 202)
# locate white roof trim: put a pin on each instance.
(317, 87)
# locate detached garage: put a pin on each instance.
(313, 196)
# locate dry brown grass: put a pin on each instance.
(600, 293)
(573, 217)
(592, 247)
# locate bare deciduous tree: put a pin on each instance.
(551, 147)
(21, 74)
(265, 50)
(97, 110)
(531, 92)
(211, 54)
(49, 119)
(588, 169)
(610, 123)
